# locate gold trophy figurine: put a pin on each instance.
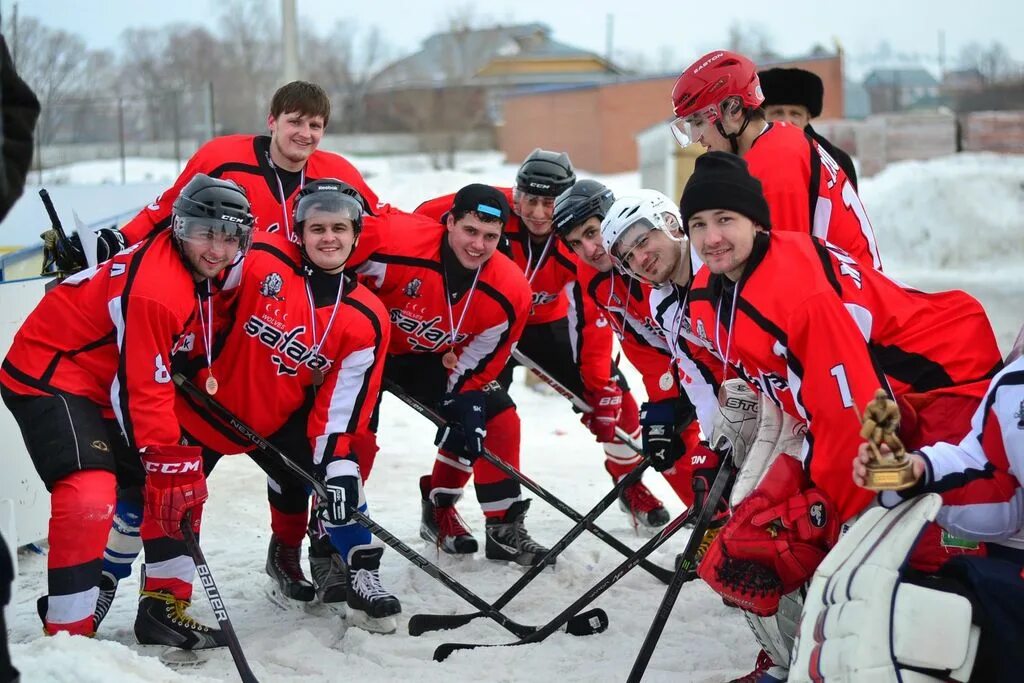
(890, 471)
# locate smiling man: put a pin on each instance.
(457, 307)
(270, 168)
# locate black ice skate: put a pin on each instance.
(441, 524)
(162, 620)
(371, 607)
(508, 539)
(290, 587)
(328, 572)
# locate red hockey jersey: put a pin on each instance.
(551, 270)
(107, 334)
(245, 159)
(408, 276)
(266, 366)
(818, 333)
(808, 192)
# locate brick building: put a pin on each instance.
(597, 123)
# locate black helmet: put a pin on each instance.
(331, 195)
(213, 204)
(546, 174)
(581, 201)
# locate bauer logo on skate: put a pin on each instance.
(286, 344)
(425, 335)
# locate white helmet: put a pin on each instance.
(648, 209)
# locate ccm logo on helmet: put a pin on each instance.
(540, 186)
(233, 219)
(172, 467)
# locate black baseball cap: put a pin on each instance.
(483, 199)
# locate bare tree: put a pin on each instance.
(344, 63)
(752, 41)
(993, 61)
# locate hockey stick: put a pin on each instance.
(576, 401)
(220, 610)
(421, 623)
(703, 522)
(685, 572)
(660, 573)
(593, 621)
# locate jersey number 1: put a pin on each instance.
(839, 373)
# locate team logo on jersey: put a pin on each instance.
(412, 290)
(817, 515)
(768, 383)
(271, 286)
(289, 351)
(185, 343)
(424, 335)
(541, 298)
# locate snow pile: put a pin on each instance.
(959, 212)
(108, 172)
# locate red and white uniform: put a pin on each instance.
(107, 334)
(268, 352)
(808, 192)
(818, 333)
(980, 477)
(551, 271)
(245, 159)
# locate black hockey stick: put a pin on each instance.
(660, 573)
(685, 572)
(593, 621)
(220, 610)
(421, 623)
(722, 479)
(576, 401)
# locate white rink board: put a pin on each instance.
(22, 494)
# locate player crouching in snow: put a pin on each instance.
(309, 341)
(802, 322)
(99, 347)
(923, 623)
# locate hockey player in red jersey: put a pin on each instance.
(456, 309)
(625, 303)
(818, 347)
(272, 169)
(88, 378)
(566, 334)
(311, 342)
(717, 103)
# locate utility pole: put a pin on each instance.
(289, 41)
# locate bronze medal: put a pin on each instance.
(211, 385)
(318, 377)
(450, 360)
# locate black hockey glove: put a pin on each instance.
(343, 497)
(465, 425)
(109, 241)
(661, 423)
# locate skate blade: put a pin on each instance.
(273, 592)
(361, 620)
(326, 609)
(175, 657)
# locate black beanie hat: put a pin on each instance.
(792, 86)
(721, 181)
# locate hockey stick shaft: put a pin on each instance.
(421, 623)
(377, 530)
(55, 223)
(662, 574)
(220, 610)
(703, 522)
(577, 402)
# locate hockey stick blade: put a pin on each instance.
(588, 623)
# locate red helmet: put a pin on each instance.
(700, 90)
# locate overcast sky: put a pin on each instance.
(663, 30)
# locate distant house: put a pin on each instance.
(901, 89)
(963, 80)
(455, 82)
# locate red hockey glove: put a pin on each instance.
(703, 463)
(607, 405)
(174, 485)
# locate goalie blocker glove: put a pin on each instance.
(661, 424)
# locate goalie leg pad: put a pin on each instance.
(862, 623)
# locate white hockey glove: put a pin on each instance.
(860, 623)
(736, 422)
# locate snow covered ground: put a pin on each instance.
(946, 223)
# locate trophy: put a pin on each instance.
(886, 471)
